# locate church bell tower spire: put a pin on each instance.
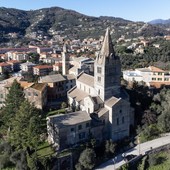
(64, 60)
(107, 70)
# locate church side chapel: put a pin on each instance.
(104, 108)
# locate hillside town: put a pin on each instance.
(96, 101)
(56, 71)
(98, 107)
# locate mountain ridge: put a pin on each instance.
(160, 21)
(69, 24)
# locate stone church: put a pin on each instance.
(104, 107)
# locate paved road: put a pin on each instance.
(139, 149)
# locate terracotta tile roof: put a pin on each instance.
(55, 55)
(58, 64)
(39, 86)
(155, 69)
(43, 53)
(4, 64)
(2, 55)
(25, 84)
(43, 67)
(14, 61)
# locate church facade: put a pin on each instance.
(100, 98)
(102, 94)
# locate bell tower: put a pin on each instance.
(64, 60)
(107, 70)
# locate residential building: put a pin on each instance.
(70, 81)
(4, 88)
(52, 60)
(75, 71)
(44, 49)
(37, 94)
(80, 61)
(15, 65)
(42, 70)
(57, 67)
(86, 66)
(5, 67)
(151, 76)
(11, 50)
(68, 129)
(44, 55)
(27, 67)
(20, 56)
(58, 85)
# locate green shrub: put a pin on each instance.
(156, 159)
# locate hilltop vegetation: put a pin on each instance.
(71, 24)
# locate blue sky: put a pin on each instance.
(135, 10)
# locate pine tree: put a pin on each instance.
(13, 100)
(26, 127)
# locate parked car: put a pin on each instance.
(129, 157)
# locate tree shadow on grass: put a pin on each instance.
(161, 159)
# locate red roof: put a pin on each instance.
(155, 69)
(55, 55)
(13, 61)
(4, 64)
(58, 64)
(43, 67)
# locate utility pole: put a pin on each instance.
(138, 140)
(114, 160)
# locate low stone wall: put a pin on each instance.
(161, 148)
(155, 150)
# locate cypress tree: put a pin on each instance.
(26, 127)
(13, 100)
